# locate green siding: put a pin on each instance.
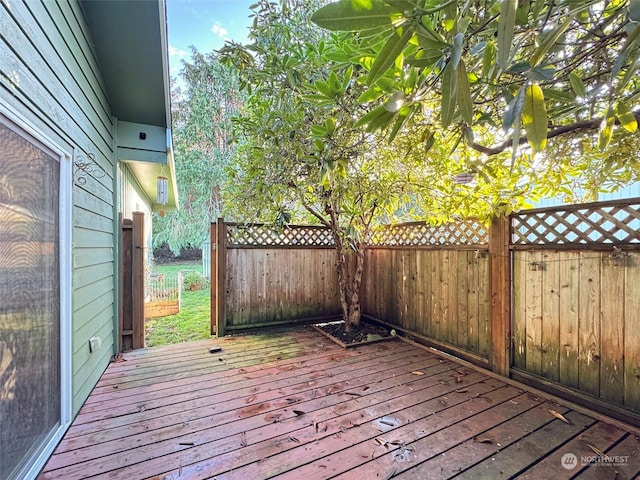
(49, 74)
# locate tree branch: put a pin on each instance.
(585, 125)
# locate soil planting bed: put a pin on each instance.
(366, 333)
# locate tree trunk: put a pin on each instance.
(350, 265)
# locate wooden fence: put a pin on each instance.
(576, 299)
(549, 296)
(433, 283)
(262, 276)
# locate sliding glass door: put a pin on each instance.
(31, 360)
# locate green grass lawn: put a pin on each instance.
(192, 323)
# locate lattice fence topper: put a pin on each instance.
(267, 235)
(603, 223)
(463, 232)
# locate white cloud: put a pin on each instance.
(176, 52)
(220, 31)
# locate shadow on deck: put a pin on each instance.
(288, 403)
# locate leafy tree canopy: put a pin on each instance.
(201, 134)
(557, 77)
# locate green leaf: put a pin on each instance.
(629, 74)
(387, 56)
(514, 110)
(506, 26)
(428, 139)
(330, 125)
(626, 117)
(369, 117)
(550, 39)
(606, 129)
(324, 88)
(424, 58)
(534, 118)
(370, 95)
(334, 84)
(354, 15)
(577, 84)
(542, 73)
(488, 58)
(347, 78)
(465, 103)
(456, 50)
(624, 51)
(449, 80)
(400, 121)
(559, 95)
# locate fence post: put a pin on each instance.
(218, 277)
(137, 286)
(500, 288)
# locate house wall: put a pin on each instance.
(133, 199)
(48, 73)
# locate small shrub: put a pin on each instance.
(194, 281)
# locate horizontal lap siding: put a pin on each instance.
(49, 74)
(266, 285)
(576, 321)
(441, 294)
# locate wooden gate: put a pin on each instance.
(131, 322)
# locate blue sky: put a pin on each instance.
(205, 24)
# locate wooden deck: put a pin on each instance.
(290, 404)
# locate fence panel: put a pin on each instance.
(576, 317)
(277, 276)
(433, 282)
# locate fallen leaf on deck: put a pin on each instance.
(250, 399)
(418, 372)
(459, 379)
(272, 417)
(186, 444)
(390, 475)
(215, 349)
(243, 439)
(298, 412)
(596, 450)
(365, 389)
(381, 441)
(481, 439)
(462, 390)
(559, 416)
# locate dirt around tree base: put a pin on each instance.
(365, 333)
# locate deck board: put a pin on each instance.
(290, 404)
